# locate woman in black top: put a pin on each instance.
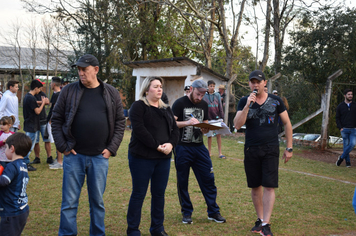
(154, 134)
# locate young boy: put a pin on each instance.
(14, 209)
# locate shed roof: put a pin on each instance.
(173, 62)
(10, 61)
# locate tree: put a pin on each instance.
(31, 34)
(14, 52)
(323, 43)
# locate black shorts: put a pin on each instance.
(261, 166)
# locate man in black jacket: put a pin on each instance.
(346, 122)
(88, 126)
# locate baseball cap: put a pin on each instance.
(186, 87)
(65, 80)
(40, 81)
(274, 91)
(200, 85)
(257, 74)
(87, 60)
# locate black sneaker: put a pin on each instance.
(348, 164)
(187, 219)
(258, 226)
(217, 218)
(37, 160)
(339, 161)
(266, 230)
(31, 168)
(159, 233)
(49, 160)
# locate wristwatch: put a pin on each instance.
(289, 149)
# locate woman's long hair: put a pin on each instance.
(146, 86)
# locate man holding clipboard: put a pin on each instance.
(189, 111)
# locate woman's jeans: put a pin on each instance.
(142, 171)
(75, 167)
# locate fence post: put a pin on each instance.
(325, 106)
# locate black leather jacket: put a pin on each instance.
(65, 110)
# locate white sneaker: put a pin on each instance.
(55, 161)
(56, 166)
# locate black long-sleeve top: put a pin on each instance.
(346, 115)
(151, 127)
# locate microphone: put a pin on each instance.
(255, 92)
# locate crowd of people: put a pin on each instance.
(157, 132)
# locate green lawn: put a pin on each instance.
(305, 205)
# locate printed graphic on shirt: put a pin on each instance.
(192, 134)
(266, 113)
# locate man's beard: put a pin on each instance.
(192, 98)
(348, 100)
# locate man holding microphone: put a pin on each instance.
(260, 112)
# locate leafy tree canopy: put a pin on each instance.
(323, 43)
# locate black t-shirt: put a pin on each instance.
(262, 121)
(53, 101)
(31, 119)
(90, 126)
(43, 116)
(184, 109)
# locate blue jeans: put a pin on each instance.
(142, 171)
(33, 137)
(42, 131)
(14, 129)
(349, 139)
(354, 201)
(75, 167)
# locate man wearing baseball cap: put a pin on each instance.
(260, 112)
(191, 152)
(186, 90)
(88, 125)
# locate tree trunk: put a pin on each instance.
(267, 33)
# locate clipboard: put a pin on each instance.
(208, 126)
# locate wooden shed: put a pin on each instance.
(176, 72)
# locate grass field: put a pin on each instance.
(305, 204)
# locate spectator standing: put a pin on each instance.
(5, 132)
(43, 130)
(346, 122)
(56, 87)
(215, 113)
(265, 89)
(222, 93)
(9, 105)
(31, 115)
(64, 81)
(186, 90)
(154, 134)
(262, 146)
(192, 153)
(13, 183)
(87, 139)
(232, 112)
